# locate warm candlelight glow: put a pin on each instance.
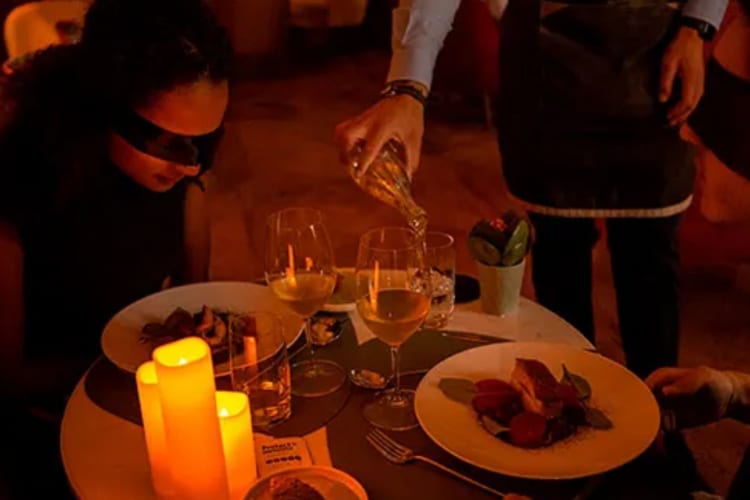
(153, 428)
(251, 350)
(375, 286)
(188, 401)
(290, 276)
(308, 263)
(237, 439)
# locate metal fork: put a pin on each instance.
(400, 454)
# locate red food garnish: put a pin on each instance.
(487, 404)
(498, 224)
(528, 430)
(492, 385)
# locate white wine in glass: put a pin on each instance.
(305, 293)
(300, 272)
(395, 315)
(393, 299)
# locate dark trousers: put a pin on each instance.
(645, 266)
(740, 489)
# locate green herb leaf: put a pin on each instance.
(458, 389)
(484, 251)
(517, 246)
(597, 419)
(581, 385)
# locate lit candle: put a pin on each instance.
(237, 438)
(153, 428)
(187, 392)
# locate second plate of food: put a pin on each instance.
(128, 342)
(537, 410)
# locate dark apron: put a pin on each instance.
(579, 123)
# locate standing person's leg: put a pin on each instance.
(740, 488)
(561, 266)
(645, 266)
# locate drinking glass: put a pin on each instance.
(393, 299)
(440, 256)
(259, 367)
(300, 272)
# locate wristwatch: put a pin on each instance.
(404, 87)
(705, 30)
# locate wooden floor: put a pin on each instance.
(279, 152)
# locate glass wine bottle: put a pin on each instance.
(386, 179)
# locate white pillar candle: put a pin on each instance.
(187, 392)
(153, 428)
(233, 409)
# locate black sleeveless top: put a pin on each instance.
(112, 243)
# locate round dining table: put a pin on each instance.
(103, 448)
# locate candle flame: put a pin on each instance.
(308, 263)
(181, 362)
(290, 275)
(223, 413)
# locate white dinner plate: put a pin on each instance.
(121, 337)
(622, 396)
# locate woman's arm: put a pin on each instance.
(11, 309)
(20, 379)
(197, 231)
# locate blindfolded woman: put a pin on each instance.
(103, 148)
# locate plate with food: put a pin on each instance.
(214, 311)
(343, 297)
(537, 410)
(308, 483)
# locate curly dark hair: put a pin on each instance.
(135, 48)
(56, 109)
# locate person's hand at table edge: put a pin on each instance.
(693, 397)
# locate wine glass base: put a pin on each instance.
(316, 378)
(390, 412)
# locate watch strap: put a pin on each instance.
(404, 88)
(705, 30)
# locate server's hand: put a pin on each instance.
(683, 59)
(400, 117)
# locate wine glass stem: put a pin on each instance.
(309, 337)
(396, 373)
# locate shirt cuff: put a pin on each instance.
(710, 11)
(413, 63)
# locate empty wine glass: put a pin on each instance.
(393, 299)
(300, 272)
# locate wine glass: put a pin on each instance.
(300, 272)
(393, 299)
